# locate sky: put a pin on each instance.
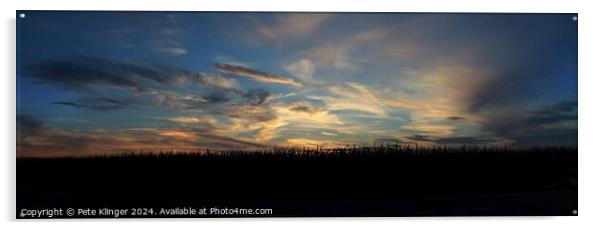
(111, 82)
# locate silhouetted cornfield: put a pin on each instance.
(469, 179)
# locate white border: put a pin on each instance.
(589, 112)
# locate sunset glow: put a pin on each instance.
(110, 82)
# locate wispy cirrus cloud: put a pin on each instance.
(291, 25)
(303, 114)
(257, 75)
(352, 50)
(96, 103)
(168, 46)
(360, 97)
(218, 81)
(163, 35)
(303, 69)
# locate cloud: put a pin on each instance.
(559, 112)
(168, 46)
(463, 141)
(304, 114)
(302, 108)
(356, 96)
(229, 142)
(35, 139)
(86, 73)
(554, 124)
(170, 32)
(214, 101)
(217, 97)
(177, 100)
(348, 51)
(171, 50)
(291, 25)
(272, 30)
(328, 134)
(204, 122)
(257, 96)
(264, 121)
(217, 81)
(303, 69)
(27, 124)
(158, 34)
(455, 118)
(257, 75)
(310, 142)
(191, 101)
(390, 141)
(260, 122)
(389, 79)
(231, 61)
(95, 103)
(335, 55)
(429, 127)
(250, 113)
(419, 137)
(459, 140)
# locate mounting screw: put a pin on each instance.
(574, 212)
(22, 15)
(574, 18)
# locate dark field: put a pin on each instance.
(378, 181)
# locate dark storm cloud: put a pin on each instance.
(555, 124)
(256, 75)
(510, 86)
(95, 103)
(563, 111)
(536, 67)
(538, 64)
